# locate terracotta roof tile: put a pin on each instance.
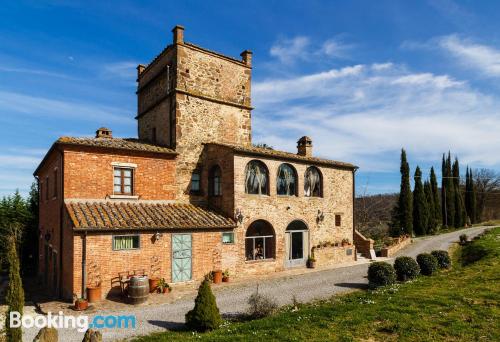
(267, 152)
(118, 143)
(140, 215)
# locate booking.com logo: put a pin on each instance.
(81, 323)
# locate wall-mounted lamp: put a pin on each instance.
(320, 217)
(238, 216)
(158, 236)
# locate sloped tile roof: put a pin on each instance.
(140, 215)
(267, 152)
(118, 143)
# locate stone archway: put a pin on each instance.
(296, 244)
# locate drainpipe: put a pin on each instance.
(84, 264)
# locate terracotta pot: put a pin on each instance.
(153, 284)
(225, 279)
(81, 305)
(94, 294)
(217, 276)
(311, 264)
(165, 290)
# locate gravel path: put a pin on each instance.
(233, 299)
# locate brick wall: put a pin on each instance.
(206, 257)
(88, 173)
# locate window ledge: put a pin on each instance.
(130, 197)
(259, 261)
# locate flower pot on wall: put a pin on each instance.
(153, 284)
(94, 294)
(217, 276)
(81, 304)
(225, 279)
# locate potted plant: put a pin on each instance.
(217, 274)
(225, 276)
(94, 283)
(163, 286)
(345, 242)
(154, 279)
(81, 304)
(311, 262)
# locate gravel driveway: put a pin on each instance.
(233, 299)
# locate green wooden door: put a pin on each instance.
(181, 257)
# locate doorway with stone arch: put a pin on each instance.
(296, 244)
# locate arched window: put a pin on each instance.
(286, 182)
(313, 183)
(215, 181)
(260, 241)
(256, 178)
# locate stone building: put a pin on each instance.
(191, 194)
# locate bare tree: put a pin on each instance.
(487, 183)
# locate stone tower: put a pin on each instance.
(188, 96)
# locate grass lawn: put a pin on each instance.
(462, 304)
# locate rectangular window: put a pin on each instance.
(126, 242)
(47, 188)
(123, 181)
(195, 181)
(338, 220)
(55, 183)
(228, 238)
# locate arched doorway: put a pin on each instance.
(296, 244)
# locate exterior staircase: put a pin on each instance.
(364, 246)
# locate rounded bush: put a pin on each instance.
(381, 274)
(443, 258)
(406, 268)
(428, 263)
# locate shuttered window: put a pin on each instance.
(125, 242)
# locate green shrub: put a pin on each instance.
(406, 268)
(472, 253)
(15, 293)
(261, 306)
(381, 274)
(205, 315)
(428, 263)
(443, 258)
(463, 239)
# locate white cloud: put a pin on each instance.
(366, 113)
(291, 50)
(12, 103)
(484, 58)
(39, 72)
(124, 70)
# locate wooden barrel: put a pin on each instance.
(138, 289)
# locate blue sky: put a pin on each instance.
(362, 78)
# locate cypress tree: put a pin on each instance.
(431, 218)
(15, 292)
(460, 216)
(475, 212)
(437, 216)
(448, 193)
(470, 196)
(420, 212)
(402, 216)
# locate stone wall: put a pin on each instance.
(280, 211)
(399, 244)
(334, 255)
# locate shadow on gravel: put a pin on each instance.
(174, 326)
(353, 285)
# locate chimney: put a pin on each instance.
(246, 56)
(304, 147)
(178, 32)
(140, 69)
(104, 132)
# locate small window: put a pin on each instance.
(55, 183)
(123, 181)
(215, 181)
(228, 237)
(125, 242)
(338, 220)
(195, 182)
(47, 188)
